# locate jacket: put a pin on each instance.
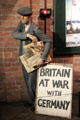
(20, 34)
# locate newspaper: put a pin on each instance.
(32, 53)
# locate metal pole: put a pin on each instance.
(45, 6)
(79, 104)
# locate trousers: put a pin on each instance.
(30, 80)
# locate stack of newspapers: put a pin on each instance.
(32, 53)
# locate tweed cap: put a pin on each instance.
(26, 11)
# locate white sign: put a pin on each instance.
(54, 90)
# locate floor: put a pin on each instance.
(17, 111)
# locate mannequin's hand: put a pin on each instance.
(32, 37)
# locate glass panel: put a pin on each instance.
(72, 23)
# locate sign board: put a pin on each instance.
(54, 90)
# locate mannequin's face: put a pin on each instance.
(25, 19)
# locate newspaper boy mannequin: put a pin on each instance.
(24, 31)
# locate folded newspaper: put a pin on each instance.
(32, 53)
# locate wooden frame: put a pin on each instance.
(60, 30)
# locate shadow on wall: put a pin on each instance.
(41, 23)
(6, 7)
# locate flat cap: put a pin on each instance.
(26, 11)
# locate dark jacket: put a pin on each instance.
(19, 34)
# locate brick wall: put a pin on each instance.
(12, 86)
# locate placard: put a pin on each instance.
(54, 90)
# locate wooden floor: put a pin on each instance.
(17, 111)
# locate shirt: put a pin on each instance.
(26, 29)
